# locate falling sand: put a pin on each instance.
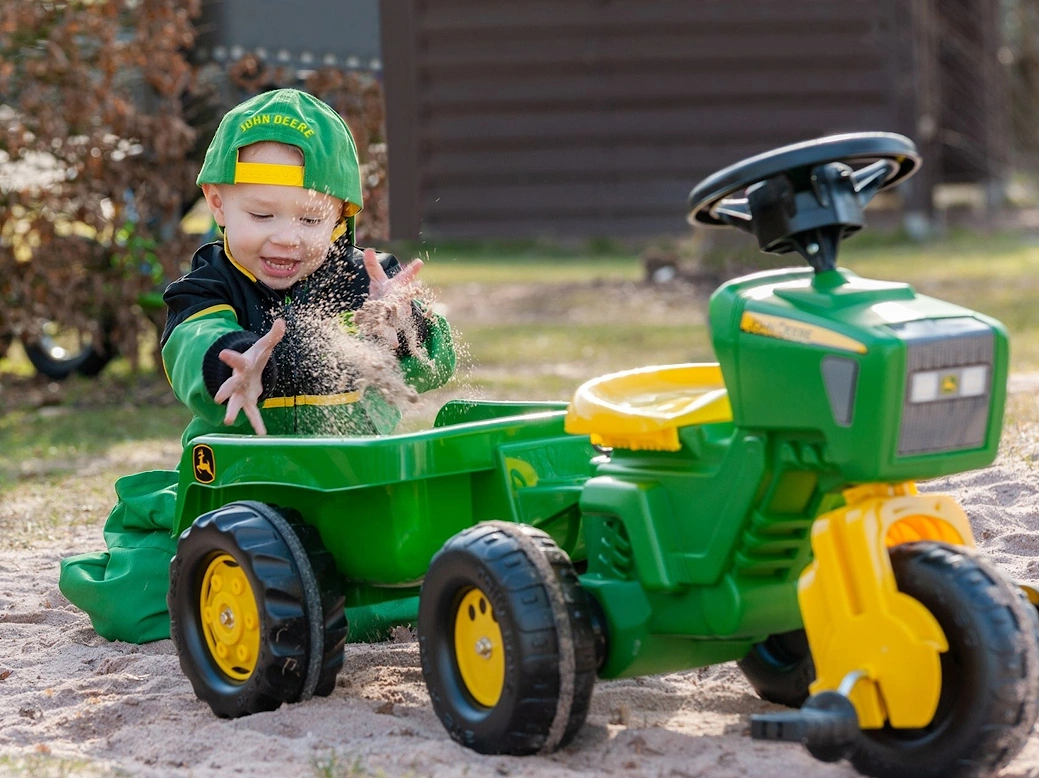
(362, 351)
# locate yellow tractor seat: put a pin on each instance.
(642, 409)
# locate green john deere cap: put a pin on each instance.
(298, 119)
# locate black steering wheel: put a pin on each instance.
(808, 196)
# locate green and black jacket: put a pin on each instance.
(220, 305)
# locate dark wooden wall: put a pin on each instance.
(974, 133)
(583, 118)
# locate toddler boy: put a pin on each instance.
(272, 330)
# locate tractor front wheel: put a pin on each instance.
(506, 640)
(254, 613)
(990, 674)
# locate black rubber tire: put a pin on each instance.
(95, 361)
(548, 641)
(324, 596)
(780, 668)
(90, 360)
(990, 674)
(333, 607)
(276, 564)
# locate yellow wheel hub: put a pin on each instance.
(230, 620)
(479, 648)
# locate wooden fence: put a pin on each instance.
(577, 118)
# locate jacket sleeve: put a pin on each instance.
(200, 324)
(432, 369)
(190, 348)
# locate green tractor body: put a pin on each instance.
(693, 555)
(833, 380)
(899, 385)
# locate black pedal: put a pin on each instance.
(827, 725)
(791, 727)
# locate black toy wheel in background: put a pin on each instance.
(780, 668)
(849, 148)
(506, 640)
(293, 646)
(990, 674)
(58, 353)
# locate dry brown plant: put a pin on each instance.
(104, 120)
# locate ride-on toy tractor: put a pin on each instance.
(761, 509)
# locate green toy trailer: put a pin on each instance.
(761, 509)
(292, 532)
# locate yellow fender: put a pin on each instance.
(854, 615)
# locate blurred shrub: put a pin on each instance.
(92, 137)
(104, 120)
(1020, 58)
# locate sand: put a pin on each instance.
(72, 703)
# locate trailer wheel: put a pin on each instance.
(248, 616)
(990, 674)
(506, 640)
(780, 668)
(332, 607)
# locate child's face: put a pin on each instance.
(280, 234)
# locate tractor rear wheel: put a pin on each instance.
(506, 640)
(780, 668)
(254, 612)
(990, 674)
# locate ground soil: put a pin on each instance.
(72, 703)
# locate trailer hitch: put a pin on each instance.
(826, 724)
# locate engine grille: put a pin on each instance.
(948, 385)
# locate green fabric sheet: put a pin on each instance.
(123, 590)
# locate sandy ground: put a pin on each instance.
(72, 703)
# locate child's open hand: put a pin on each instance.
(381, 284)
(243, 389)
(384, 320)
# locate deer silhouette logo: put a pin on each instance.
(204, 463)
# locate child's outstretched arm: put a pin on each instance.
(242, 390)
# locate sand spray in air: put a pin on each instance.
(360, 354)
(395, 316)
(361, 351)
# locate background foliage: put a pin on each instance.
(103, 125)
(95, 139)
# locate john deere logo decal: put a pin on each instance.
(950, 384)
(782, 328)
(205, 464)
